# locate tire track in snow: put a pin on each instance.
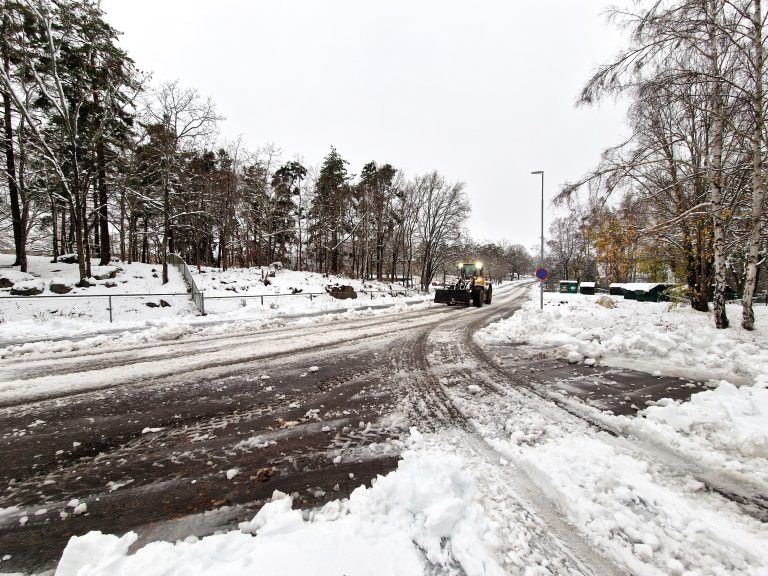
(749, 497)
(554, 539)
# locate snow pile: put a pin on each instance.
(676, 342)
(426, 512)
(729, 418)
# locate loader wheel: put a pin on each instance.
(489, 296)
(477, 298)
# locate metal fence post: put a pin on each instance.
(262, 300)
(110, 308)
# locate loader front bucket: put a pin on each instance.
(449, 296)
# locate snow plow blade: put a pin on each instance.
(452, 297)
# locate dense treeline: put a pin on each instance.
(686, 191)
(100, 163)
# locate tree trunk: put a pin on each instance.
(122, 225)
(758, 184)
(334, 252)
(10, 164)
(145, 242)
(101, 178)
(77, 227)
(86, 236)
(96, 242)
(166, 228)
(716, 175)
(63, 230)
(55, 232)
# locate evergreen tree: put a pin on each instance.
(332, 195)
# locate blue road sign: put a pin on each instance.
(542, 274)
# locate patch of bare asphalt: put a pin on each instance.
(620, 391)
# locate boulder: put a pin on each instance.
(68, 258)
(103, 272)
(341, 292)
(59, 286)
(28, 288)
(10, 277)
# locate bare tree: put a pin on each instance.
(443, 209)
(188, 121)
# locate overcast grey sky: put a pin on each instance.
(483, 92)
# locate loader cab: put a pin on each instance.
(471, 270)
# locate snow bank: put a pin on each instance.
(731, 418)
(426, 512)
(677, 341)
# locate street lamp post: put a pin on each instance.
(541, 258)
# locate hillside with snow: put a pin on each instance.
(138, 299)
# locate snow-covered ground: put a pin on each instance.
(251, 292)
(140, 301)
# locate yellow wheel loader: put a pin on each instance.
(472, 286)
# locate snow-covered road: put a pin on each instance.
(187, 435)
(150, 426)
